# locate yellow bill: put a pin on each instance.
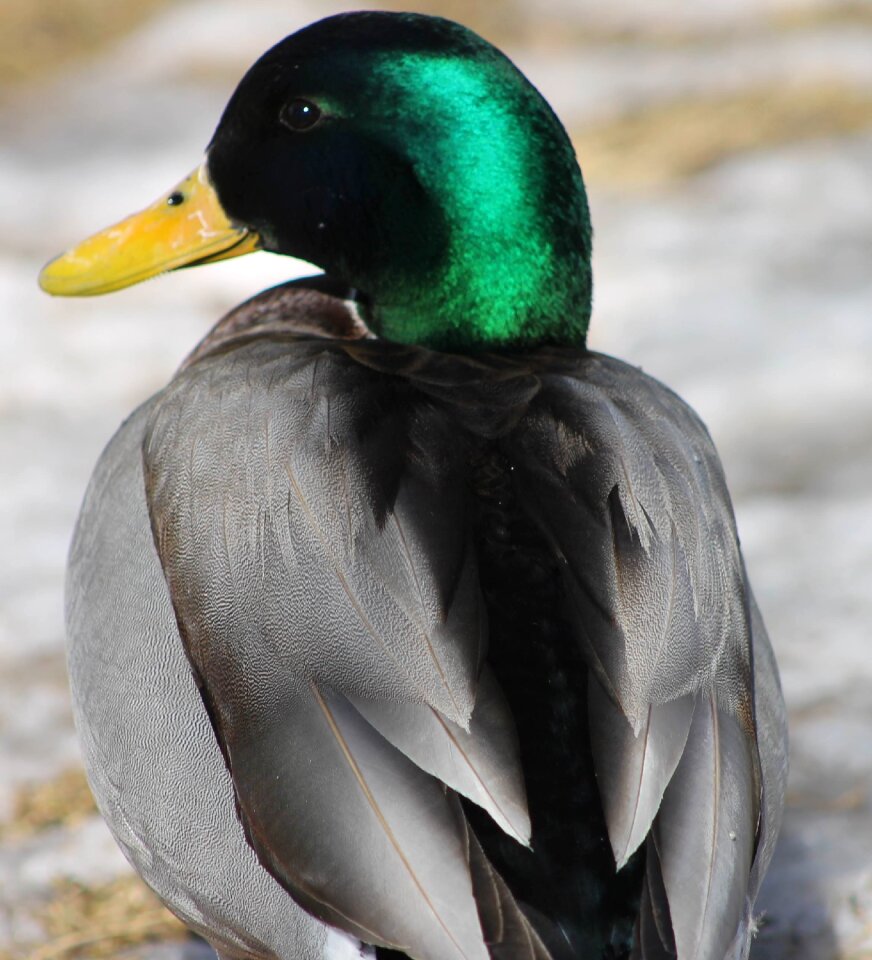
(185, 227)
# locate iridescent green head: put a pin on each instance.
(408, 157)
(402, 154)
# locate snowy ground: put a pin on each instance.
(747, 288)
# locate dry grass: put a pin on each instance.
(504, 22)
(81, 920)
(810, 16)
(100, 921)
(668, 141)
(64, 801)
(519, 23)
(38, 37)
(41, 37)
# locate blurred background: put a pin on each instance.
(728, 151)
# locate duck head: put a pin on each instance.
(403, 155)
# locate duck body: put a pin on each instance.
(399, 622)
(154, 766)
(515, 466)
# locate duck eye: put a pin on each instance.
(300, 115)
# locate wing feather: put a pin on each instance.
(508, 931)
(705, 834)
(313, 534)
(686, 715)
(309, 512)
(250, 506)
(482, 764)
(635, 769)
(654, 938)
(363, 838)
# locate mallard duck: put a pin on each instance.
(399, 622)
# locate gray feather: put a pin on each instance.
(482, 764)
(625, 482)
(623, 479)
(705, 834)
(313, 548)
(508, 932)
(310, 512)
(363, 838)
(152, 761)
(654, 938)
(267, 489)
(633, 770)
(771, 723)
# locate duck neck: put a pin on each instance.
(509, 205)
(515, 287)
